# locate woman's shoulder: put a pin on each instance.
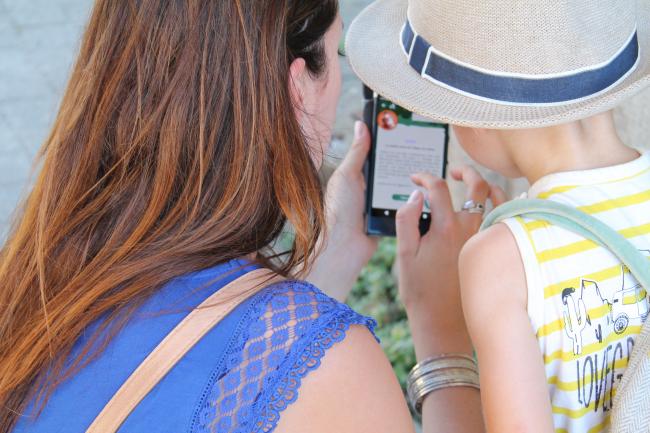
(288, 328)
(303, 307)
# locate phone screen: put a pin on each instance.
(405, 143)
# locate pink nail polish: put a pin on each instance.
(415, 196)
(358, 129)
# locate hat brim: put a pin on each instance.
(376, 56)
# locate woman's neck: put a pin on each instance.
(580, 145)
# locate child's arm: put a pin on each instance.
(514, 392)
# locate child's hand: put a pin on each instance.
(428, 265)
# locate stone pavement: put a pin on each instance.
(38, 43)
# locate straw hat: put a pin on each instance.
(503, 63)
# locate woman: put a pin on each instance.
(189, 135)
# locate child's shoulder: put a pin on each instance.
(492, 270)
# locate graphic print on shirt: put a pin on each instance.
(594, 309)
(585, 349)
(626, 301)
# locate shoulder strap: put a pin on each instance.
(175, 345)
(631, 411)
(578, 222)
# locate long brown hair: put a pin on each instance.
(175, 149)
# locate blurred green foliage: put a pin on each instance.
(375, 295)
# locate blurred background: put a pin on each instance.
(38, 43)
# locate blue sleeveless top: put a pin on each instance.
(238, 378)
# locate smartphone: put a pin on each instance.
(403, 143)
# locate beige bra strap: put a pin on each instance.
(175, 345)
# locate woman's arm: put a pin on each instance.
(430, 290)
(452, 409)
(494, 293)
(345, 248)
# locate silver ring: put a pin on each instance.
(472, 207)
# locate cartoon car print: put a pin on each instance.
(622, 302)
(628, 304)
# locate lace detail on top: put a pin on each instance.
(286, 333)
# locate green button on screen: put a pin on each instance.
(403, 197)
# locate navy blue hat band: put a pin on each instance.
(515, 89)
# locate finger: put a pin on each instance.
(358, 152)
(456, 173)
(478, 189)
(497, 195)
(407, 223)
(438, 193)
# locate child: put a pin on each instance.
(530, 86)
(549, 312)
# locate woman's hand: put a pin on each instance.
(345, 247)
(428, 265)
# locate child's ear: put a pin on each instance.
(297, 85)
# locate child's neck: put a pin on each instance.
(581, 145)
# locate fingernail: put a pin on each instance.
(415, 196)
(358, 129)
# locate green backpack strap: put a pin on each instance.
(631, 412)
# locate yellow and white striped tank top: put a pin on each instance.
(583, 304)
